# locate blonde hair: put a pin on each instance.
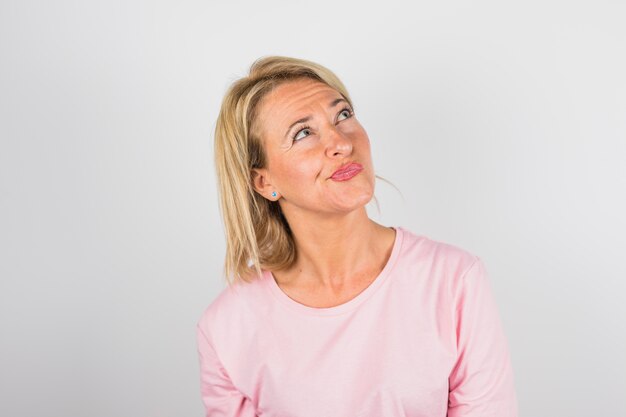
(257, 234)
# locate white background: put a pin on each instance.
(503, 125)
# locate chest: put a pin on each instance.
(372, 363)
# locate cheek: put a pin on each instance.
(364, 135)
(359, 135)
(298, 171)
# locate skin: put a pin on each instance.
(340, 250)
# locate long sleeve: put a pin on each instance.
(481, 382)
(220, 397)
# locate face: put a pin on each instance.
(309, 132)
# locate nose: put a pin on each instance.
(337, 143)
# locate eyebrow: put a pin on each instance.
(306, 119)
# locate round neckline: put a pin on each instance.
(349, 305)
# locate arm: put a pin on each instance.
(220, 397)
(481, 382)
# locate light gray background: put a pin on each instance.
(503, 125)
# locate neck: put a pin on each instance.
(332, 249)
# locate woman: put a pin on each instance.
(330, 313)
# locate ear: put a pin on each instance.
(261, 183)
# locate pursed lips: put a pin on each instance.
(347, 171)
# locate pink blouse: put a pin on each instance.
(424, 339)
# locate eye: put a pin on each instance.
(344, 114)
(302, 133)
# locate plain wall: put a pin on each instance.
(503, 124)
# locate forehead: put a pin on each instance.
(292, 100)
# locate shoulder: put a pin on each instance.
(423, 249)
(237, 306)
(438, 260)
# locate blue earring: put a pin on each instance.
(274, 194)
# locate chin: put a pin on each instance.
(357, 202)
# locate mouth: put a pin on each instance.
(346, 172)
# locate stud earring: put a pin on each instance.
(274, 194)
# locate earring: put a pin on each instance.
(274, 194)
